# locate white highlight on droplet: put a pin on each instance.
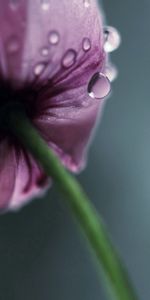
(53, 37)
(86, 3)
(86, 44)
(111, 72)
(45, 51)
(45, 4)
(69, 58)
(112, 39)
(39, 68)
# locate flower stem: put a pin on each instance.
(90, 222)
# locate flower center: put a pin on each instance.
(12, 99)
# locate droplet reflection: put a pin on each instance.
(112, 39)
(45, 4)
(39, 68)
(111, 72)
(53, 38)
(99, 86)
(44, 51)
(69, 58)
(86, 3)
(86, 44)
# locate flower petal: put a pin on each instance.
(66, 115)
(68, 132)
(50, 49)
(35, 40)
(61, 27)
(30, 181)
(8, 169)
(13, 17)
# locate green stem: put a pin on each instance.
(90, 222)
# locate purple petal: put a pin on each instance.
(66, 114)
(71, 22)
(27, 29)
(12, 38)
(49, 50)
(7, 173)
(30, 181)
(67, 130)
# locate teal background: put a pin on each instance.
(42, 255)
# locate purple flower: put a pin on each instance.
(49, 51)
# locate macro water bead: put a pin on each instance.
(50, 52)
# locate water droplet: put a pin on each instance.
(112, 39)
(44, 51)
(99, 86)
(69, 58)
(39, 68)
(53, 37)
(45, 4)
(86, 44)
(14, 4)
(111, 72)
(86, 3)
(13, 45)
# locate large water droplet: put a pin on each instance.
(86, 44)
(39, 68)
(111, 72)
(86, 3)
(45, 4)
(69, 58)
(53, 37)
(112, 39)
(99, 86)
(45, 51)
(13, 45)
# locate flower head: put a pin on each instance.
(49, 51)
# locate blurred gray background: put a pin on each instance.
(42, 255)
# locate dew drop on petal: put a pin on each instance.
(99, 86)
(111, 72)
(86, 44)
(13, 45)
(53, 37)
(39, 68)
(86, 3)
(45, 51)
(69, 58)
(112, 39)
(45, 4)
(14, 4)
